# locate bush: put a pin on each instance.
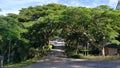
(77, 56)
(73, 55)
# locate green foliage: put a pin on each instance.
(73, 55)
(94, 26)
(104, 8)
(11, 41)
(26, 35)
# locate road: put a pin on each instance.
(57, 60)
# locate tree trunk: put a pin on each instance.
(48, 41)
(85, 50)
(76, 49)
(9, 46)
(103, 51)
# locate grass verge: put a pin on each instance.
(101, 57)
(89, 57)
(20, 65)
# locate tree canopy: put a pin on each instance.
(26, 34)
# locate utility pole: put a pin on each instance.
(118, 5)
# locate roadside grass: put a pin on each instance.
(101, 57)
(20, 65)
(91, 57)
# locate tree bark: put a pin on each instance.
(76, 49)
(9, 46)
(103, 51)
(48, 41)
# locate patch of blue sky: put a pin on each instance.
(13, 6)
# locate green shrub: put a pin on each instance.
(73, 55)
(77, 56)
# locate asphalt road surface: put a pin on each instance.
(57, 60)
(74, 63)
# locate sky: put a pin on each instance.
(13, 6)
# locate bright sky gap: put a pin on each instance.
(13, 6)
